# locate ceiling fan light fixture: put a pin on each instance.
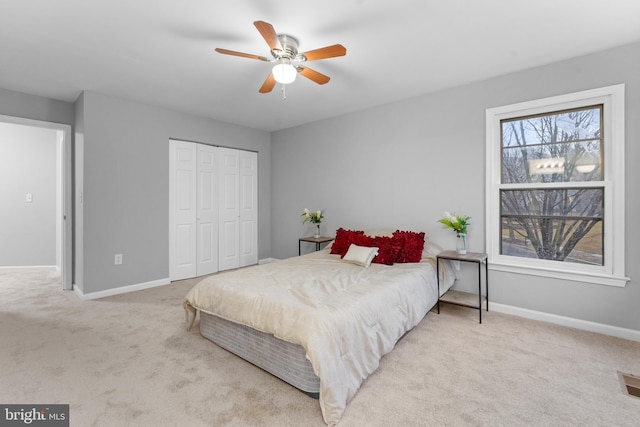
(284, 73)
(286, 59)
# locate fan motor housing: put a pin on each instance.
(289, 48)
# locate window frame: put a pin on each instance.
(612, 272)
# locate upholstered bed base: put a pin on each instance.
(282, 359)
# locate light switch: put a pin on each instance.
(29, 198)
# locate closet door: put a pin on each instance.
(213, 209)
(182, 210)
(238, 208)
(207, 210)
(229, 208)
(193, 212)
(248, 209)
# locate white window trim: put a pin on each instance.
(612, 273)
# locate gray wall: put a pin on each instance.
(126, 185)
(121, 164)
(28, 164)
(19, 104)
(401, 165)
(78, 182)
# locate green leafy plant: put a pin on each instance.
(456, 222)
(312, 217)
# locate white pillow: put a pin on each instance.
(360, 255)
(430, 250)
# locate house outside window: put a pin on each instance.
(555, 187)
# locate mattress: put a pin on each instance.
(280, 358)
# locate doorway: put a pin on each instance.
(59, 136)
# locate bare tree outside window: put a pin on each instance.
(552, 198)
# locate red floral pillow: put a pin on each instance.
(388, 249)
(343, 240)
(412, 245)
(362, 240)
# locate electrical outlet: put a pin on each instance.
(118, 259)
(28, 198)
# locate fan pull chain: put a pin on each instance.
(284, 93)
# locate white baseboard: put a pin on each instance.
(267, 260)
(585, 325)
(120, 290)
(29, 267)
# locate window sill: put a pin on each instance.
(576, 276)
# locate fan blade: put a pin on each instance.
(314, 75)
(244, 55)
(268, 84)
(268, 34)
(325, 52)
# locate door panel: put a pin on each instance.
(229, 209)
(184, 237)
(207, 215)
(230, 198)
(247, 237)
(205, 254)
(182, 210)
(184, 195)
(248, 210)
(229, 241)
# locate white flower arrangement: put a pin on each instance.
(456, 222)
(312, 217)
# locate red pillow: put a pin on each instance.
(343, 240)
(412, 245)
(388, 249)
(362, 240)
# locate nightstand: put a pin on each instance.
(317, 240)
(465, 298)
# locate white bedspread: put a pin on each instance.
(346, 317)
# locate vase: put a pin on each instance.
(317, 231)
(461, 243)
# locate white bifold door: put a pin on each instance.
(200, 194)
(238, 208)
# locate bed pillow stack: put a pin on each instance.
(401, 247)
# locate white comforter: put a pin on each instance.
(345, 316)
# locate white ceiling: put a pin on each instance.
(161, 52)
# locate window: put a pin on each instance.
(555, 187)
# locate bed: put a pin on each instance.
(316, 321)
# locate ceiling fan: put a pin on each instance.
(288, 62)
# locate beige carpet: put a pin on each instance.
(128, 361)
